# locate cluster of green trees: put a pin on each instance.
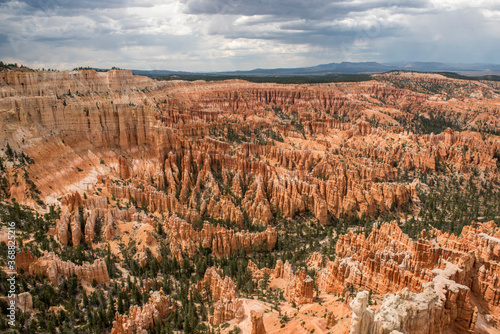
(243, 134)
(228, 132)
(435, 123)
(454, 202)
(14, 66)
(303, 79)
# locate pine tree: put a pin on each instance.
(9, 152)
(111, 309)
(121, 308)
(85, 300)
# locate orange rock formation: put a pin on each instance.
(257, 323)
(50, 266)
(141, 319)
(445, 272)
(300, 285)
(227, 305)
(220, 240)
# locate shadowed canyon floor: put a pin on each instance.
(167, 206)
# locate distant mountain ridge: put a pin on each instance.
(347, 68)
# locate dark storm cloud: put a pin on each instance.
(48, 5)
(312, 9)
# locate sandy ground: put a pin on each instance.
(483, 327)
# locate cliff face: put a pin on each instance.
(386, 261)
(257, 323)
(480, 240)
(135, 128)
(73, 82)
(427, 312)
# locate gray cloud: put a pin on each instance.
(50, 5)
(312, 9)
(242, 34)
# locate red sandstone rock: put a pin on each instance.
(257, 323)
(123, 168)
(300, 286)
(385, 262)
(90, 227)
(76, 231)
(389, 261)
(63, 229)
(331, 320)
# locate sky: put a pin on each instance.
(219, 35)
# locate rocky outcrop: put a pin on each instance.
(362, 315)
(223, 290)
(331, 320)
(482, 242)
(142, 319)
(90, 227)
(154, 200)
(62, 228)
(430, 311)
(68, 228)
(109, 228)
(67, 82)
(436, 278)
(76, 231)
(299, 288)
(386, 261)
(50, 266)
(257, 322)
(123, 168)
(184, 238)
(258, 274)
(23, 301)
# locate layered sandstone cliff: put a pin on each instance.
(157, 133)
(431, 311)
